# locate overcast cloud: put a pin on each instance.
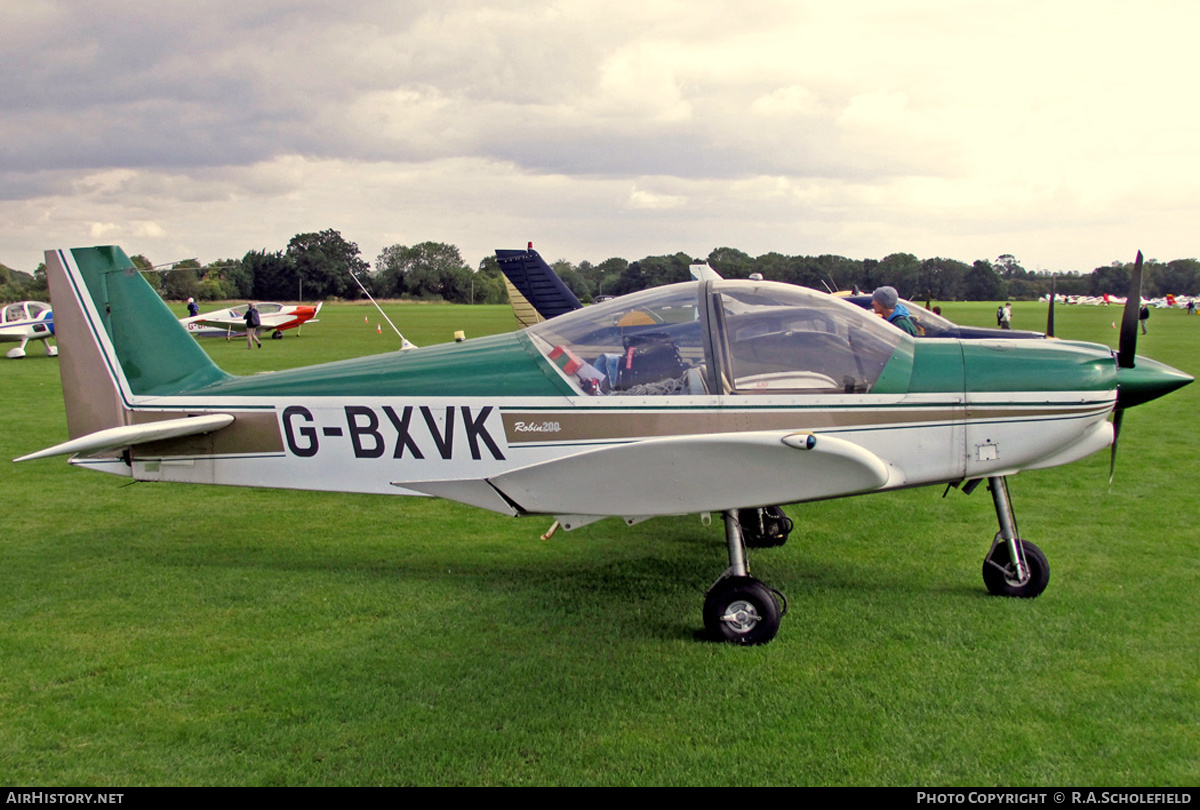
(1063, 133)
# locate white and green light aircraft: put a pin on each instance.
(707, 396)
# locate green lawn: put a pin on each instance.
(156, 634)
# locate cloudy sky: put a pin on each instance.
(1065, 133)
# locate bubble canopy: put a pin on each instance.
(719, 337)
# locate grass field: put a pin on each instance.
(158, 634)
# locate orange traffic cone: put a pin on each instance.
(378, 329)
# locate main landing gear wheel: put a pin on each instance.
(767, 527)
(277, 335)
(1000, 574)
(741, 610)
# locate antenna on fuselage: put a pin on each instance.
(404, 342)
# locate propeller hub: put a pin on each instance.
(1147, 380)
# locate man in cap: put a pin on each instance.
(886, 303)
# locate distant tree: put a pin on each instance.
(902, 271)
(776, 267)
(1180, 277)
(1008, 266)
(839, 272)
(608, 275)
(1111, 280)
(731, 262)
(574, 280)
(9, 291)
(235, 280)
(181, 281)
(40, 288)
(943, 279)
(982, 283)
(427, 270)
(653, 271)
(489, 283)
(323, 263)
(16, 285)
(273, 274)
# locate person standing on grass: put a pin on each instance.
(252, 324)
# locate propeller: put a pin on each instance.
(1126, 352)
(1050, 313)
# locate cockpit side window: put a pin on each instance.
(648, 343)
(784, 339)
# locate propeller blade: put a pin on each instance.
(1118, 417)
(1127, 347)
(1050, 314)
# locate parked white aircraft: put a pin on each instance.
(272, 316)
(25, 321)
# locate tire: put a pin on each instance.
(769, 531)
(277, 335)
(1001, 582)
(741, 610)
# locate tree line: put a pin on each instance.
(324, 265)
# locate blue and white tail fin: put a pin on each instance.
(537, 284)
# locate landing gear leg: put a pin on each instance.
(1013, 567)
(738, 608)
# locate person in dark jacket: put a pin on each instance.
(252, 323)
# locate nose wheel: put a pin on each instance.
(1000, 573)
(1013, 567)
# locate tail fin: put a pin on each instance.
(118, 339)
(537, 282)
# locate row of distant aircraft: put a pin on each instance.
(706, 396)
(24, 321)
(1161, 302)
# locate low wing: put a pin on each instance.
(220, 323)
(677, 475)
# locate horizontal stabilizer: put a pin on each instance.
(127, 435)
(687, 474)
